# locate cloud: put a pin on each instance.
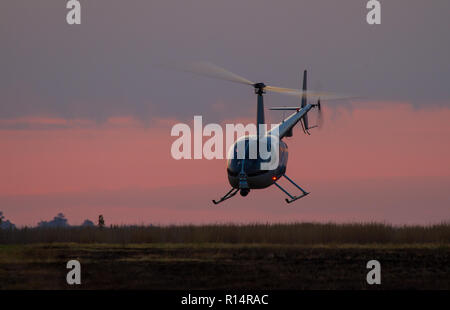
(105, 68)
(43, 123)
(123, 169)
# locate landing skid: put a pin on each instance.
(228, 195)
(293, 198)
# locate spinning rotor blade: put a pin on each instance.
(211, 70)
(309, 93)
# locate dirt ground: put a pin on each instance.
(224, 266)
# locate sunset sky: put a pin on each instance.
(86, 111)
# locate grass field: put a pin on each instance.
(289, 256)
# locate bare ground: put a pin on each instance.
(225, 266)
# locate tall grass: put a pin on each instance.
(295, 233)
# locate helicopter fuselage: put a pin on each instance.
(250, 169)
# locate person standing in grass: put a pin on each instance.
(101, 221)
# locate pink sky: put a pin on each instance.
(86, 110)
(378, 161)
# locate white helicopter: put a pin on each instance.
(245, 174)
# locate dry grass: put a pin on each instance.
(295, 233)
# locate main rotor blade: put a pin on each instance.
(211, 70)
(311, 94)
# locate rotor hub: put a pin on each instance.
(259, 88)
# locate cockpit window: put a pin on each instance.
(251, 165)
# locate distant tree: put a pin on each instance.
(88, 223)
(5, 224)
(101, 221)
(58, 221)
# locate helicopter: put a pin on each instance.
(245, 174)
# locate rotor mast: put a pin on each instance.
(259, 90)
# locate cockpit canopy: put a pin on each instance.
(244, 153)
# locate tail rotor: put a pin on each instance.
(320, 118)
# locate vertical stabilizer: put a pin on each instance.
(304, 88)
(304, 101)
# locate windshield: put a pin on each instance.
(251, 166)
